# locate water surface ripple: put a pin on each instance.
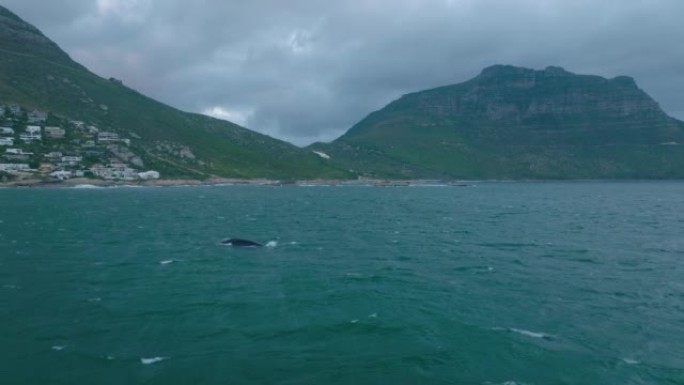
(500, 283)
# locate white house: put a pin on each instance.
(105, 136)
(14, 167)
(30, 137)
(16, 155)
(54, 132)
(72, 160)
(61, 174)
(148, 175)
(115, 171)
(17, 151)
(32, 133)
(33, 129)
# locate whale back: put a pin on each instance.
(237, 242)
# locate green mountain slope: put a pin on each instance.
(36, 74)
(513, 123)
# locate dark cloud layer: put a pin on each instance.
(305, 70)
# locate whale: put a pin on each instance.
(237, 242)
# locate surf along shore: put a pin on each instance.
(76, 182)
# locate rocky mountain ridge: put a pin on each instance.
(498, 95)
(512, 122)
(506, 123)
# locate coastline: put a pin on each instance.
(101, 183)
(77, 182)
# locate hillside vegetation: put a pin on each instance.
(506, 123)
(518, 123)
(36, 74)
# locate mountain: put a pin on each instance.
(56, 117)
(40, 84)
(516, 123)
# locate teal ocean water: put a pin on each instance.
(499, 283)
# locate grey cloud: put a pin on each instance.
(307, 70)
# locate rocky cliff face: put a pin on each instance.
(516, 95)
(516, 122)
(522, 101)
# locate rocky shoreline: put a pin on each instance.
(87, 182)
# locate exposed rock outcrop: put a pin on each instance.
(512, 122)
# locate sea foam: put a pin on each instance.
(153, 360)
(525, 333)
(272, 244)
(528, 333)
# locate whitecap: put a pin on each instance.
(630, 361)
(354, 321)
(153, 360)
(58, 347)
(166, 262)
(96, 299)
(374, 315)
(272, 244)
(528, 333)
(10, 287)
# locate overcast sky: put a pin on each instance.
(307, 70)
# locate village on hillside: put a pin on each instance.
(38, 144)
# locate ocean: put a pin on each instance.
(491, 284)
